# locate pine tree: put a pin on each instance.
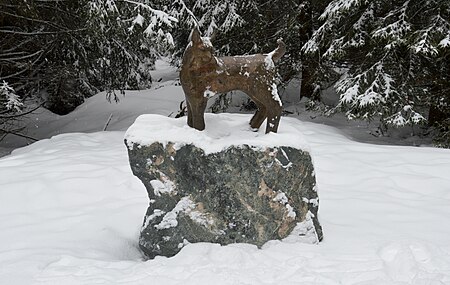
(211, 16)
(396, 54)
(124, 39)
(64, 51)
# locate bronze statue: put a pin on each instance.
(203, 75)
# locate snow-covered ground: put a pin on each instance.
(92, 116)
(71, 210)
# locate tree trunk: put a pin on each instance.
(307, 82)
(305, 18)
(435, 115)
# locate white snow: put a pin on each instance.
(445, 42)
(71, 210)
(281, 197)
(139, 20)
(290, 211)
(156, 213)
(163, 98)
(186, 206)
(222, 131)
(303, 232)
(148, 219)
(275, 95)
(288, 165)
(209, 93)
(268, 61)
(207, 42)
(170, 219)
(163, 185)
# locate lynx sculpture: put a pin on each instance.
(203, 75)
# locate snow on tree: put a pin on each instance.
(11, 107)
(8, 99)
(126, 37)
(396, 54)
(211, 16)
(64, 51)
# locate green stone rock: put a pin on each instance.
(242, 194)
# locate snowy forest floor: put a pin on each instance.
(71, 210)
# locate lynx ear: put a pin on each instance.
(195, 36)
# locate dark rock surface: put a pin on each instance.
(239, 195)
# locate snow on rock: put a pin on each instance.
(163, 185)
(282, 199)
(170, 219)
(223, 130)
(304, 232)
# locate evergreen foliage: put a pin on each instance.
(60, 52)
(396, 57)
(388, 60)
(240, 27)
(64, 51)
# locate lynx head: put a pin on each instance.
(201, 48)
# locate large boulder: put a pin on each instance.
(224, 185)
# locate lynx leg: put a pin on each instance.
(198, 114)
(189, 114)
(273, 117)
(259, 117)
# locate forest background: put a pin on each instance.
(387, 61)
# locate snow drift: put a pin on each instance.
(71, 211)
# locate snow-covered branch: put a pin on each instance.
(396, 31)
(8, 98)
(160, 15)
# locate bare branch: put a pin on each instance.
(19, 135)
(22, 57)
(22, 114)
(34, 20)
(41, 33)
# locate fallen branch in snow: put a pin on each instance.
(182, 111)
(19, 135)
(107, 122)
